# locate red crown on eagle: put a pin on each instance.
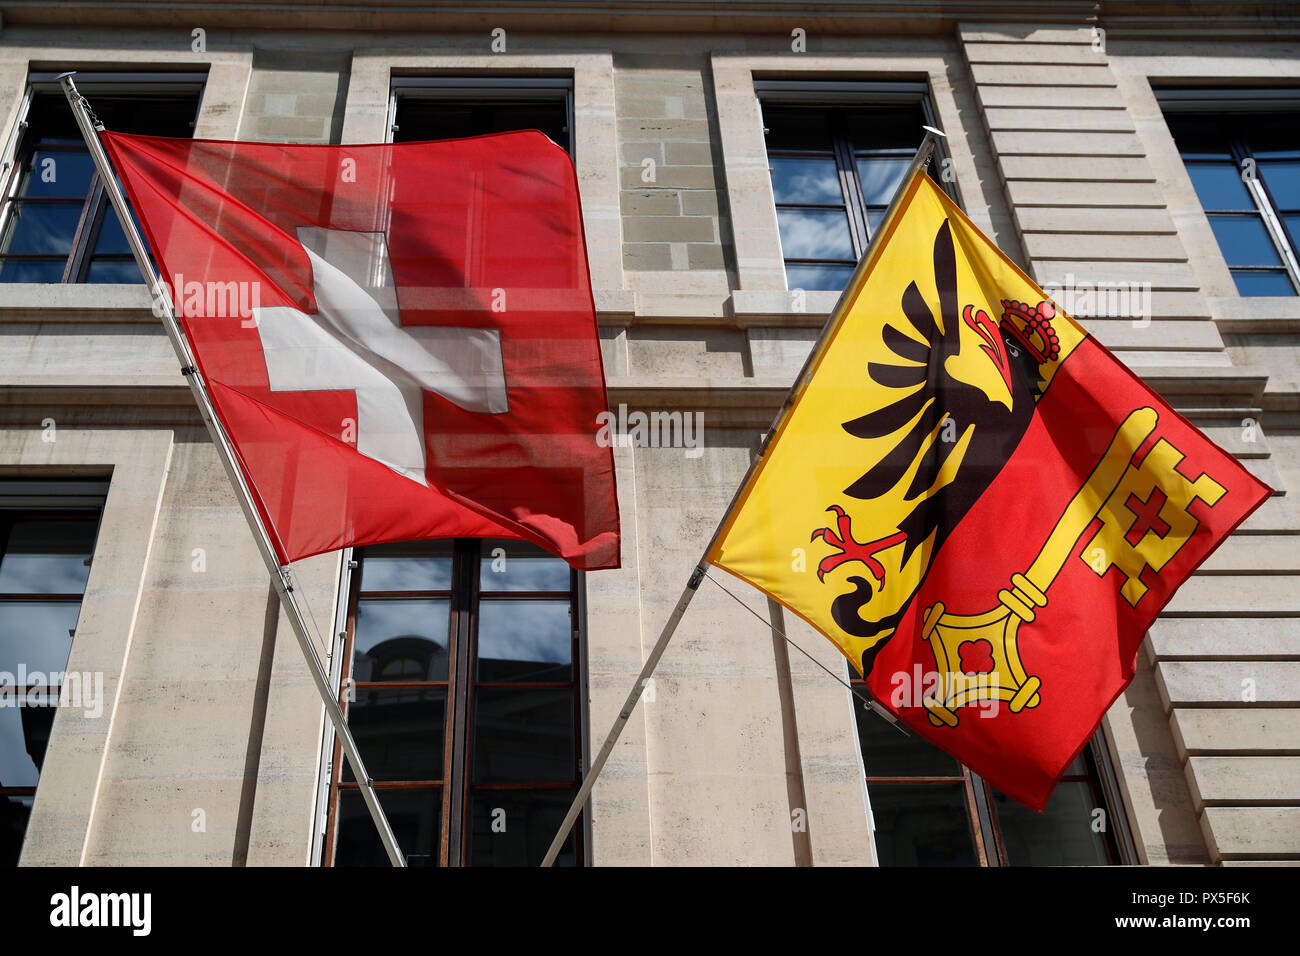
(1037, 335)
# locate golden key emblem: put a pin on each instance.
(1144, 522)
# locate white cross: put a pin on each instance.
(355, 340)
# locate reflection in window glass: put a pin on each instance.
(401, 639)
(520, 566)
(834, 171)
(481, 635)
(525, 641)
(806, 179)
(38, 633)
(47, 557)
(803, 275)
(44, 567)
(24, 735)
(41, 229)
(880, 176)
(1245, 167)
(57, 225)
(815, 233)
(390, 568)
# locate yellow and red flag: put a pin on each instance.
(984, 515)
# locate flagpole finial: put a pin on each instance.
(936, 132)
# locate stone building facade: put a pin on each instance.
(1061, 144)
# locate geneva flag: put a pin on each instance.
(399, 339)
(993, 508)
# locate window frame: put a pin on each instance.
(1228, 102)
(981, 811)
(49, 499)
(827, 94)
(95, 205)
(457, 784)
(481, 89)
(417, 84)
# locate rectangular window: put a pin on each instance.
(55, 221)
(930, 810)
(836, 153)
(446, 107)
(1242, 153)
(462, 682)
(47, 537)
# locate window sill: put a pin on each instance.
(1256, 313)
(796, 307)
(74, 302)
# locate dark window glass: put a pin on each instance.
(15, 808)
(523, 734)
(929, 810)
(56, 224)
(44, 565)
(461, 688)
(414, 815)
(889, 752)
(1245, 168)
(923, 825)
(834, 171)
(515, 827)
(1066, 833)
(423, 117)
(400, 732)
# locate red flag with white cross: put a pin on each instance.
(399, 339)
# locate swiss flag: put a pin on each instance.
(399, 339)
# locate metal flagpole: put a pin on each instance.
(919, 161)
(90, 125)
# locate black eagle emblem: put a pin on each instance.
(933, 413)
